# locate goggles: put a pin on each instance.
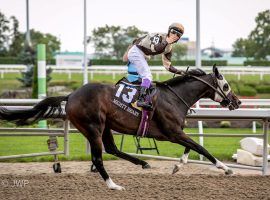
(176, 32)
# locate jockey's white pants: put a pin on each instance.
(137, 57)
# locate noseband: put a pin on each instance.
(214, 87)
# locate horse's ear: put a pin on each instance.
(215, 70)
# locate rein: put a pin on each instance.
(171, 89)
(221, 93)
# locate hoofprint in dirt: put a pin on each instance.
(37, 181)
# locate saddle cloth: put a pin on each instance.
(125, 97)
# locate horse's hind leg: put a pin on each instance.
(93, 132)
(111, 148)
(96, 150)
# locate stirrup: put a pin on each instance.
(145, 105)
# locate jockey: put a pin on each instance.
(149, 45)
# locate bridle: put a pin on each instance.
(214, 87)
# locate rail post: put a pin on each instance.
(41, 57)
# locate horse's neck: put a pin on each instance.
(192, 91)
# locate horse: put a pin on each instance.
(91, 110)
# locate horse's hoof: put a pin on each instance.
(176, 168)
(146, 166)
(117, 187)
(57, 168)
(93, 169)
(229, 172)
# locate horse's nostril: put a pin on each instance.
(239, 102)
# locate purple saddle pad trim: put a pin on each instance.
(144, 124)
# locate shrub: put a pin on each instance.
(257, 63)
(225, 124)
(245, 90)
(263, 88)
(75, 86)
(8, 60)
(234, 88)
(107, 62)
(251, 84)
(205, 125)
(62, 83)
(15, 60)
(265, 82)
(258, 124)
(212, 62)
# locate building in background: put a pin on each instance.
(211, 53)
(70, 58)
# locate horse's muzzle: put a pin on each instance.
(232, 102)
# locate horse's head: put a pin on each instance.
(224, 94)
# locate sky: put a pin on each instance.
(222, 21)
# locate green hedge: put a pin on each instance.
(62, 83)
(263, 89)
(250, 89)
(107, 62)
(159, 62)
(234, 87)
(8, 60)
(14, 60)
(257, 63)
(245, 90)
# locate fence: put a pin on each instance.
(200, 114)
(156, 70)
(26, 132)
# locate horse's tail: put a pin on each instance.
(44, 109)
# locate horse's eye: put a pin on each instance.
(226, 87)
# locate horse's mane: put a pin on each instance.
(178, 79)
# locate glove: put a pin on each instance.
(176, 71)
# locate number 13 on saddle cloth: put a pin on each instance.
(125, 97)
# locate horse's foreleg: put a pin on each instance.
(111, 148)
(184, 157)
(186, 141)
(183, 160)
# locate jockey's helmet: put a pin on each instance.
(176, 28)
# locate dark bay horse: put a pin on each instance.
(91, 111)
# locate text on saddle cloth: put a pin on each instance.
(126, 96)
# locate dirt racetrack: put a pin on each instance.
(37, 181)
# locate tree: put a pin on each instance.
(244, 48)
(257, 45)
(52, 43)
(261, 35)
(4, 34)
(239, 48)
(179, 50)
(12, 41)
(112, 41)
(17, 40)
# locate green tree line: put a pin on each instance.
(257, 44)
(111, 42)
(12, 41)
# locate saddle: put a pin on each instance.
(126, 96)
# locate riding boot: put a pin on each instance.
(144, 99)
